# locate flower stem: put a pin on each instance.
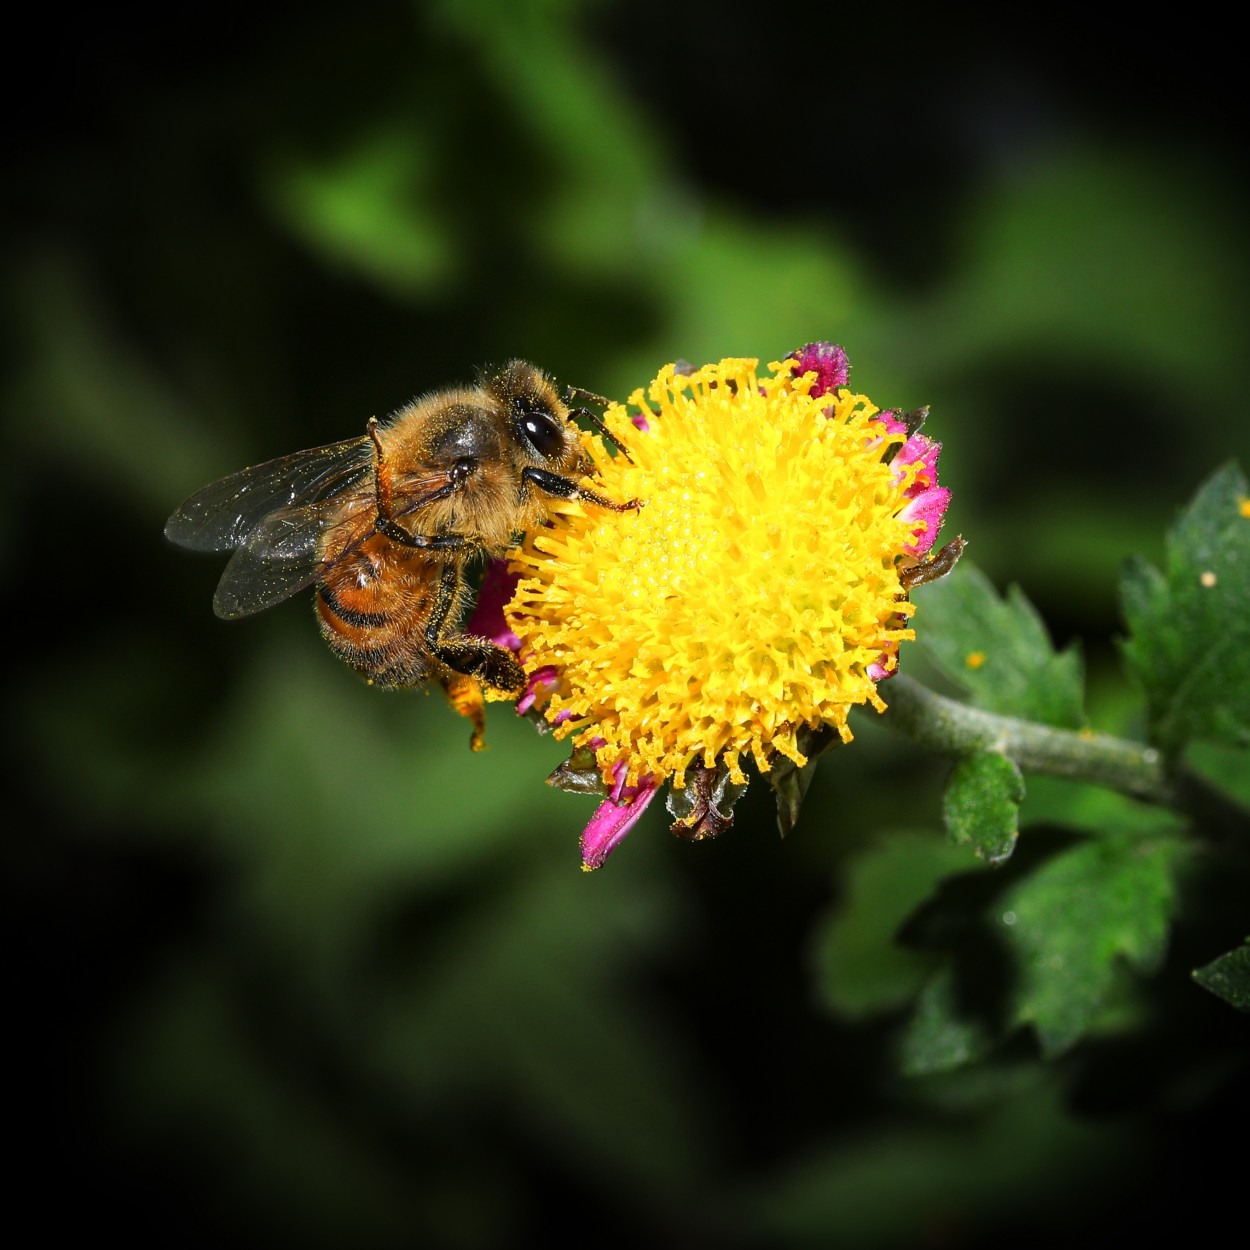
(1130, 768)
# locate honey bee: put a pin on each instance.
(386, 525)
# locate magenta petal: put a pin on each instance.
(488, 620)
(827, 361)
(539, 679)
(930, 507)
(892, 424)
(612, 821)
(922, 450)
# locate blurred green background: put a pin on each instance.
(293, 965)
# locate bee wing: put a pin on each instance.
(222, 515)
(276, 559)
(282, 554)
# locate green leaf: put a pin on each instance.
(1189, 625)
(1068, 922)
(860, 968)
(1046, 942)
(998, 650)
(1229, 977)
(982, 805)
(941, 1034)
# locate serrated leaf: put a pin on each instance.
(998, 649)
(1189, 625)
(982, 805)
(1068, 923)
(859, 966)
(1228, 977)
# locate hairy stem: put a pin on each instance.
(1130, 768)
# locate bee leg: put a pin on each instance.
(475, 657)
(465, 697)
(481, 658)
(566, 488)
(381, 473)
(427, 542)
(385, 522)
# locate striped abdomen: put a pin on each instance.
(374, 607)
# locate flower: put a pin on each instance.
(735, 619)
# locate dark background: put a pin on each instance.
(288, 963)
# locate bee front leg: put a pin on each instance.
(566, 488)
(475, 657)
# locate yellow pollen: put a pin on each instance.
(750, 595)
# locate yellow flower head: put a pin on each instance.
(757, 595)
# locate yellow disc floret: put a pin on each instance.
(753, 593)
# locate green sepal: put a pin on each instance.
(790, 781)
(1228, 977)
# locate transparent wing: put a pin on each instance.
(293, 548)
(222, 515)
(276, 559)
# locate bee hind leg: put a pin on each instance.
(480, 658)
(465, 697)
(492, 665)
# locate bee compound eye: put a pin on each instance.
(543, 432)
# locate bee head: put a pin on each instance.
(538, 420)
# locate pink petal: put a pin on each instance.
(487, 620)
(892, 424)
(886, 664)
(920, 449)
(539, 678)
(613, 820)
(930, 507)
(827, 361)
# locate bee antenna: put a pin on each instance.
(602, 430)
(572, 393)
